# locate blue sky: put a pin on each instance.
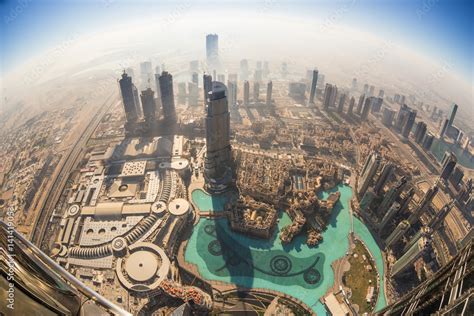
(440, 29)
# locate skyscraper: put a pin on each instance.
(420, 132)
(397, 233)
(423, 204)
(126, 88)
(256, 91)
(388, 116)
(342, 100)
(406, 261)
(452, 114)
(368, 172)
(360, 104)
(212, 48)
(443, 293)
(449, 162)
(232, 91)
(381, 93)
(167, 96)
(385, 175)
(389, 198)
(428, 141)
(354, 84)
(218, 151)
(444, 128)
(148, 104)
(330, 93)
(366, 110)
(437, 220)
(314, 82)
(207, 86)
(350, 109)
(409, 122)
(269, 93)
(246, 93)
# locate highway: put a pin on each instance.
(66, 165)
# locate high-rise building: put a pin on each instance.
(167, 96)
(207, 86)
(420, 132)
(456, 177)
(354, 84)
(408, 123)
(401, 117)
(452, 114)
(148, 104)
(360, 104)
(256, 91)
(232, 93)
(269, 93)
(414, 253)
(342, 100)
(388, 116)
(146, 72)
(136, 99)
(195, 78)
(423, 232)
(128, 99)
(212, 48)
(389, 215)
(449, 162)
(246, 93)
(376, 104)
(193, 94)
(444, 128)
(367, 173)
(423, 204)
(314, 82)
(366, 89)
(350, 109)
(443, 293)
(437, 221)
(428, 141)
(388, 200)
(371, 91)
(381, 93)
(244, 69)
(397, 233)
(385, 175)
(218, 151)
(366, 109)
(330, 93)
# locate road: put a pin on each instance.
(66, 165)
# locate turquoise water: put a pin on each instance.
(439, 147)
(294, 269)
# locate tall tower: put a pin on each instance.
(217, 170)
(409, 122)
(360, 104)
(398, 233)
(449, 162)
(256, 91)
(406, 261)
(207, 86)
(212, 48)
(126, 88)
(246, 93)
(342, 100)
(443, 293)
(232, 90)
(391, 196)
(421, 207)
(148, 104)
(385, 175)
(269, 93)
(437, 220)
(314, 82)
(368, 172)
(366, 110)
(167, 96)
(420, 132)
(350, 109)
(452, 114)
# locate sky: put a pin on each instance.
(441, 29)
